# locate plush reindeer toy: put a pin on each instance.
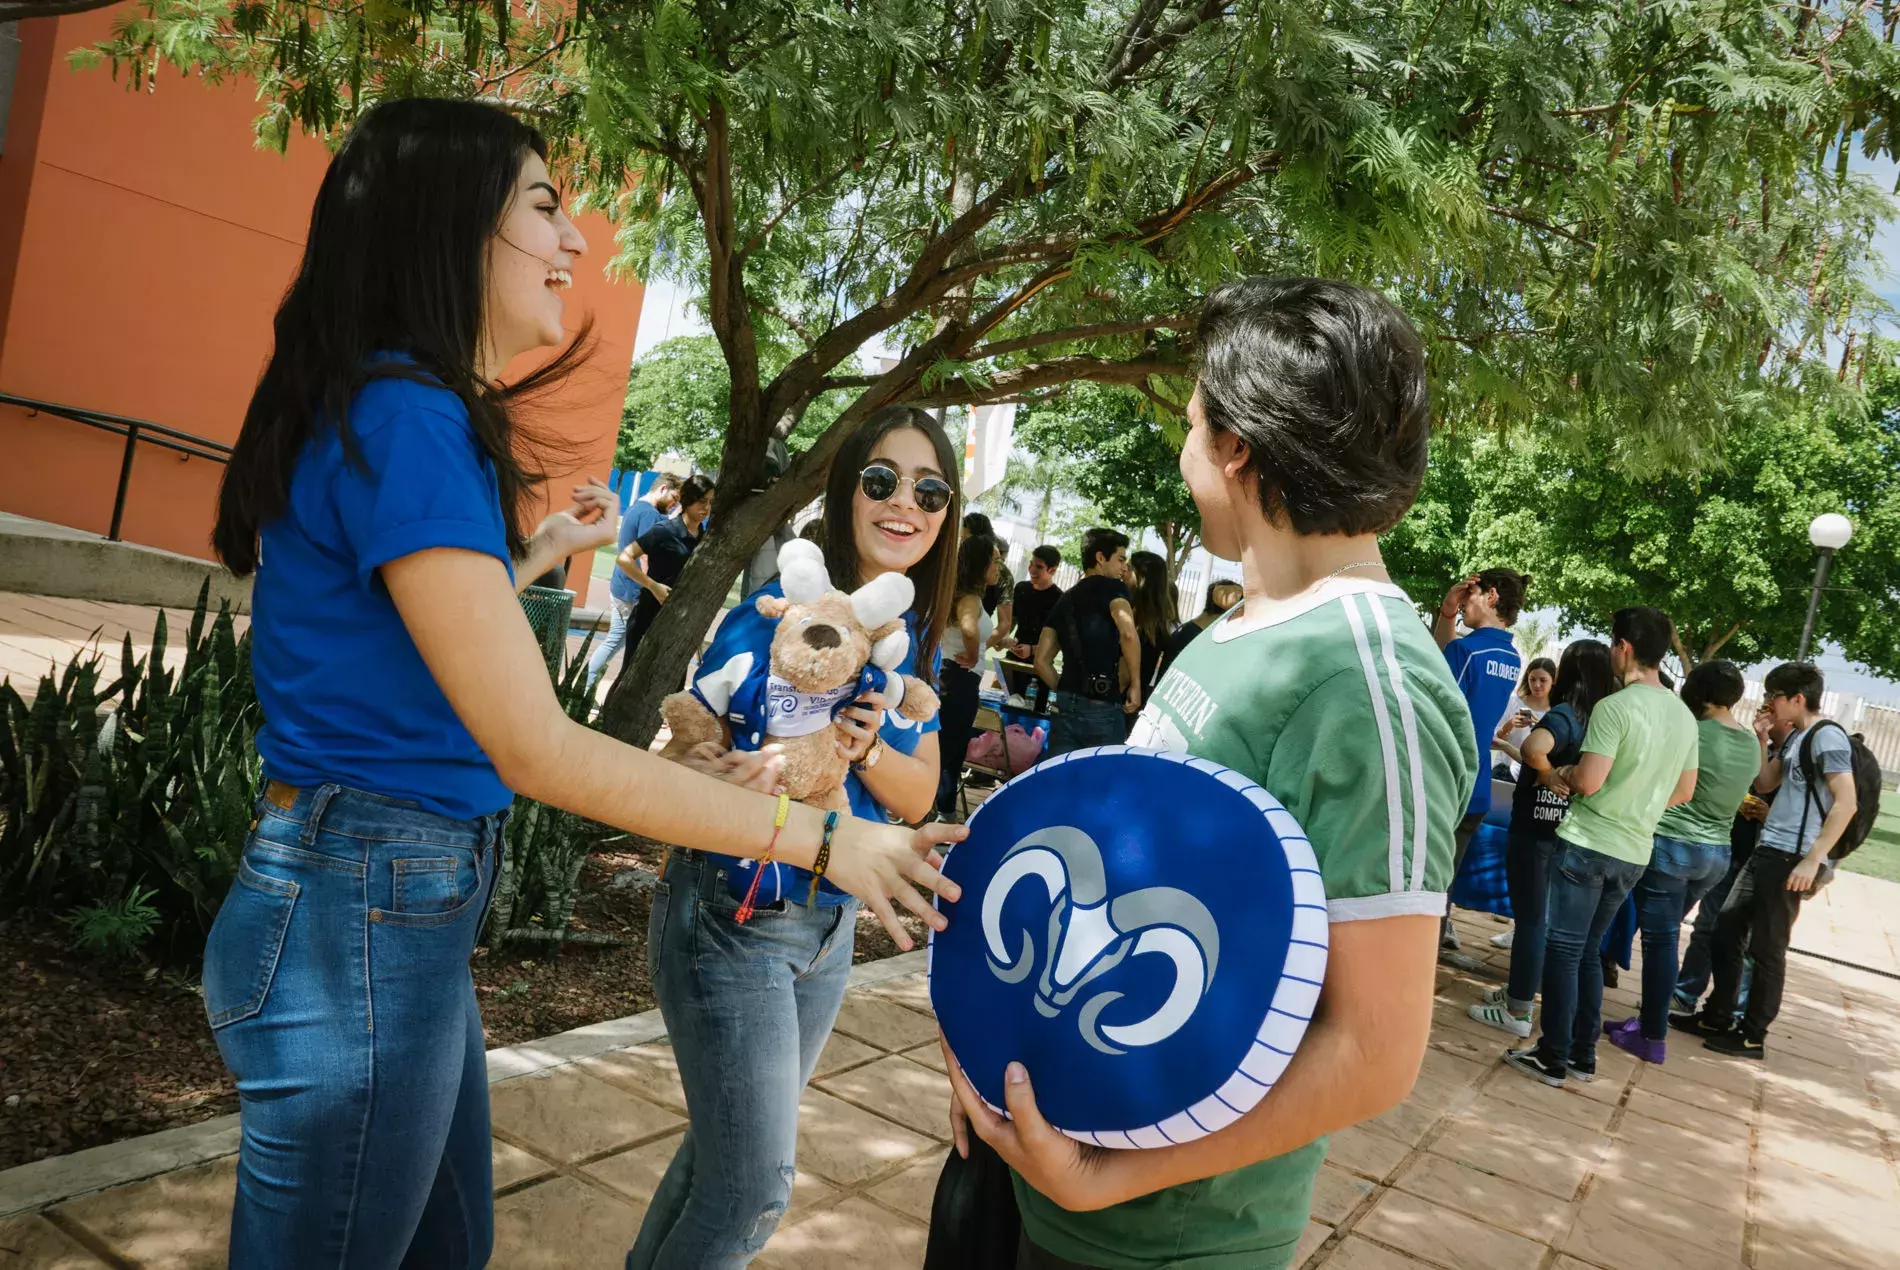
(829, 647)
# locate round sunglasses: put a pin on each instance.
(880, 483)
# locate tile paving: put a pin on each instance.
(1704, 1162)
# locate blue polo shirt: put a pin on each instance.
(641, 516)
(347, 699)
(1486, 665)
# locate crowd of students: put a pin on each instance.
(1627, 792)
(377, 493)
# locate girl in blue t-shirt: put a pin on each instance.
(376, 494)
(749, 1003)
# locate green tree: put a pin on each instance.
(1724, 552)
(1628, 221)
(679, 400)
(1122, 456)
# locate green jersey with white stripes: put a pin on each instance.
(1339, 704)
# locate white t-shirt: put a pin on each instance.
(1517, 736)
(951, 641)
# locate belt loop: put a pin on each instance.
(313, 819)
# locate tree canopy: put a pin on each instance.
(679, 401)
(1631, 223)
(1725, 553)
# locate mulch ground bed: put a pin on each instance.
(92, 1053)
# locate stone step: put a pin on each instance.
(46, 559)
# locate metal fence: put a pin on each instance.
(1877, 722)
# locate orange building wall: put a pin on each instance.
(144, 245)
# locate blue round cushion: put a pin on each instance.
(1145, 931)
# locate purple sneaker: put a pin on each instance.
(1628, 1037)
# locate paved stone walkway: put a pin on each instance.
(1704, 1163)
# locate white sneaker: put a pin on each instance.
(1496, 996)
(1504, 940)
(1502, 1019)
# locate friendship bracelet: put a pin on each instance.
(823, 861)
(778, 825)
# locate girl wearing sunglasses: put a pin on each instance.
(749, 1002)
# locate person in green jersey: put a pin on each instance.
(1309, 429)
(1692, 847)
(1639, 758)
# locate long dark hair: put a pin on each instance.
(935, 576)
(1713, 683)
(1155, 607)
(395, 262)
(974, 558)
(1584, 677)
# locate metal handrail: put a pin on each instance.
(134, 431)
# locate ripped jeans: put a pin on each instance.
(748, 1009)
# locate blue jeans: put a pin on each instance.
(749, 1009)
(1586, 889)
(1679, 874)
(621, 612)
(336, 981)
(1527, 869)
(1082, 722)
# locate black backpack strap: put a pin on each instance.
(1811, 785)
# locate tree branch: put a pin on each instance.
(1014, 383)
(1143, 49)
(822, 183)
(1534, 223)
(997, 348)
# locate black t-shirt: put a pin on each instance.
(1184, 634)
(1536, 811)
(667, 546)
(1083, 614)
(1032, 611)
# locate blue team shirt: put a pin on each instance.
(346, 696)
(732, 683)
(640, 517)
(1486, 665)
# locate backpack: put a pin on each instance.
(1867, 785)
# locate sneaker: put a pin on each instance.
(1495, 996)
(1501, 1018)
(1628, 1037)
(1448, 939)
(1684, 1003)
(1532, 1064)
(1583, 1075)
(1504, 940)
(1699, 1025)
(1736, 1045)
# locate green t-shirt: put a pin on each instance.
(1340, 705)
(1728, 761)
(1650, 739)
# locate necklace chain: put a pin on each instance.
(1357, 564)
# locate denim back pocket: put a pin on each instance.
(246, 941)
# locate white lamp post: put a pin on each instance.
(1828, 532)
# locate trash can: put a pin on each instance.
(550, 612)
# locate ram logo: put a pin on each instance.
(1090, 934)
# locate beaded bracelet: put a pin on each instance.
(778, 824)
(823, 861)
